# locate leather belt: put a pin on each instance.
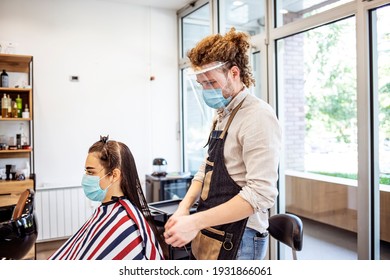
(263, 234)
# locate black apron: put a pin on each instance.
(218, 187)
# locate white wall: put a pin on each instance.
(114, 48)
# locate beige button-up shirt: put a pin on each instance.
(252, 150)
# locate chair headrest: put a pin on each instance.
(288, 229)
(20, 205)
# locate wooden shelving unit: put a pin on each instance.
(10, 190)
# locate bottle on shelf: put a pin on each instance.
(19, 105)
(4, 106)
(26, 112)
(14, 110)
(9, 106)
(4, 79)
(6, 109)
(18, 141)
(24, 139)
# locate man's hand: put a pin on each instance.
(180, 230)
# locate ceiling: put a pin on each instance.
(290, 5)
(165, 4)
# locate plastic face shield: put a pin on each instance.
(210, 83)
(208, 77)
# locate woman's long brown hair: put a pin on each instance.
(113, 154)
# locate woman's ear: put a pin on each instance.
(116, 174)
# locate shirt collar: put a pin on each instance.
(223, 112)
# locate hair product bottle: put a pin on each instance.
(9, 106)
(14, 109)
(4, 79)
(26, 113)
(4, 106)
(19, 105)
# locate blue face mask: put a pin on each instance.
(214, 98)
(92, 189)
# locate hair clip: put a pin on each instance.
(104, 139)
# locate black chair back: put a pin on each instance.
(18, 235)
(288, 229)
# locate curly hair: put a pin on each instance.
(231, 48)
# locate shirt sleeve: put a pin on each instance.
(199, 176)
(261, 146)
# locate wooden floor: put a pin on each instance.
(320, 242)
(325, 242)
(45, 249)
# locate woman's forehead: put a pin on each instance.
(92, 160)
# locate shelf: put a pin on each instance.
(21, 153)
(15, 151)
(10, 190)
(15, 185)
(21, 66)
(24, 93)
(15, 119)
(15, 63)
(17, 90)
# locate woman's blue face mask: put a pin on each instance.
(92, 189)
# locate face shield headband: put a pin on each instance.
(211, 84)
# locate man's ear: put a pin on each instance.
(235, 72)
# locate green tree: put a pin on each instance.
(331, 80)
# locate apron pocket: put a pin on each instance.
(206, 185)
(207, 244)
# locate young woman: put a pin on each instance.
(121, 227)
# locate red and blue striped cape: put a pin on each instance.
(116, 230)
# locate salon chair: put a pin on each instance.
(288, 229)
(18, 230)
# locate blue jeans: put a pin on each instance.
(252, 247)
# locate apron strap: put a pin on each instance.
(234, 112)
(212, 129)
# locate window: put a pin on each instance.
(316, 74)
(310, 68)
(381, 76)
(244, 15)
(258, 72)
(383, 81)
(291, 10)
(195, 26)
(196, 116)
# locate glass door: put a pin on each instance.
(316, 87)
(380, 22)
(196, 115)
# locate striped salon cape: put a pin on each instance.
(116, 230)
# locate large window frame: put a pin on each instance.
(368, 193)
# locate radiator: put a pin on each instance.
(60, 211)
